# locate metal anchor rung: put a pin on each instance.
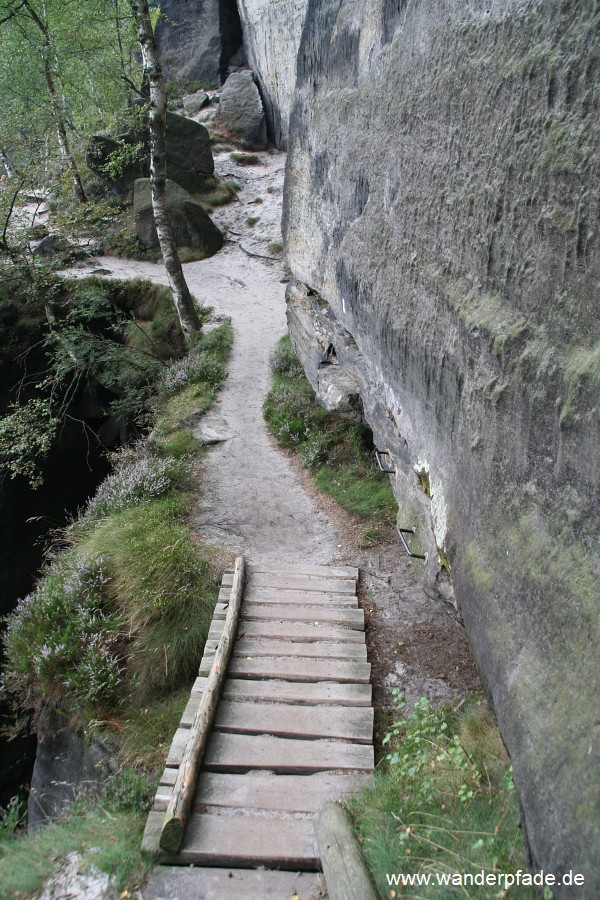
(388, 468)
(401, 533)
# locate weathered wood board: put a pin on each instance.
(321, 693)
(283, 793)
(296, 669)
(304, 598)
(242, 752)
(196, 883)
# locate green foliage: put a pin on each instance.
(130, 791)
(110, 841)
(108, 333)
(131, 602)
(26, 436)
(335, 450)
(276, 248)
(165, 589)
(62, 640)
(443, 800)
(252, 220)
(146, 730)
(126, 155)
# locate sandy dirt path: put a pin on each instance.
(250, 499)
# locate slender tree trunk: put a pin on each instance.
(52, 75)
(184, 303)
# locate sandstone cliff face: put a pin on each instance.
(272, 31)
(442, 229)
(196, 38)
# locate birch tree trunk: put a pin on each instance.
(184, 304)
(52, 76)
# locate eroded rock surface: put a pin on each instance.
(241, 109)
(272, 32)
(441, 224)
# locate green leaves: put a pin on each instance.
(26, 435)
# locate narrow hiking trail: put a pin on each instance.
(250, 497)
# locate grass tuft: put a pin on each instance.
(335, 450)
(245, 159)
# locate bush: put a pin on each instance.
(443, 800)
(130, 791)
(62, 641)
(138, 478)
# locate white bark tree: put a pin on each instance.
(184, 303)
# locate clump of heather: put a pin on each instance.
(62, 641)
(201, 366)
(139, 477)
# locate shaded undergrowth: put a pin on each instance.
(336, 451)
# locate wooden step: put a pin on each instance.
(246, 841)
(296, 631)
(291, 668)
(250, 841)
(298, 583)
(291, 720)
(304, 598)
(327, 693)
(304, 569)
(269, 647)
(197, 883)
(262, 790)
(258, 612)
(242, 752)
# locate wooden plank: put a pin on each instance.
(326, 693)
(305, 569)
(181, 801)
(198, 883)
(257, 612)
(266, 647)
(301, 631)
(290, 668)
(345, 872)
(288, 720)
(299, 583)
(305, 598)
(177, 748)
(262, 790)
(249, 841)
(242, 752)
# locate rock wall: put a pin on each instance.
(272, 31)
(196, 38)
(441, 219)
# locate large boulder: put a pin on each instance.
(189, 155)
(192, 227)
(241, 110)
(51, 245)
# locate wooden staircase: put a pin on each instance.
(293, 729)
